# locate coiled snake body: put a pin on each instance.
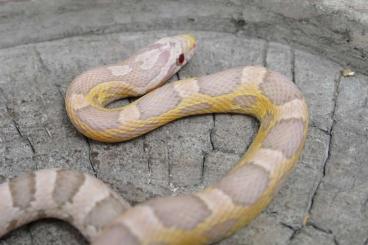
(198, 218)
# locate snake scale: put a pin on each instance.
(203, 217)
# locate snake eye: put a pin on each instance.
(180, 59)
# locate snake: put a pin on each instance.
(203, 217)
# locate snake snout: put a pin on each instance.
(191, 40)
(189, 43)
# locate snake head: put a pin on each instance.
(179, 48)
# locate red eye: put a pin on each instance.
(181, 59)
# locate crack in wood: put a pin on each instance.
(212, 131)
(15, 123)
(324, 166)
(292, 60)
(89, 151)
